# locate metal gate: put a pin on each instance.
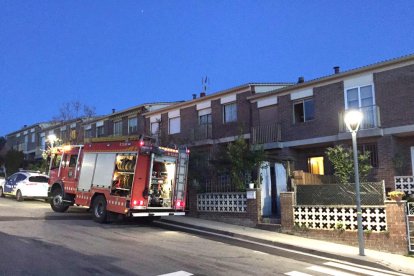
(410, 225)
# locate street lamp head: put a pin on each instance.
(353, 119)
(52, 138)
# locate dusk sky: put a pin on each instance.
(118, 54)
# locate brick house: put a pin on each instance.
(295, 124)
(206, 124)
(309, 118)
(32, 140)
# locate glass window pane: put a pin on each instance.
(367, 98)
(132, 125)
(352, 98)
(174, 125)
(298, 112)
(309, 110)
(154, 128)
(230, 113)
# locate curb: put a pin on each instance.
(190, 228)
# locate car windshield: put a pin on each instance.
(38, 179)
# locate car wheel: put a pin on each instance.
(19, 196)
(57, 201)
(1, 192)
(99, 209)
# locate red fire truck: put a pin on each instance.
(130, 176)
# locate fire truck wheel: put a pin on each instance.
(56, 201)
(99, 209)
(19, 196)
(1, 192)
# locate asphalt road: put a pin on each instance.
(36, 241)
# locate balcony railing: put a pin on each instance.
(266, 134)
(371, 118)
(202, 132)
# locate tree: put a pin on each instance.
(13, 161)
(241, 161)
(72, 110)
(343, 163)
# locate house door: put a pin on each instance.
(274, 181)
(281, 184)
(266, 190)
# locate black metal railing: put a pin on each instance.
(266, 133)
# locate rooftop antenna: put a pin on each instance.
(205, 81)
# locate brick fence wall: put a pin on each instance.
(249, 218)
(394, 240)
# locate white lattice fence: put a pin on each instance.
(222, 202)
(341, 217)
(404, 184)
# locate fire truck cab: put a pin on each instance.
(130, 176)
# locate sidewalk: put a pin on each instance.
(396, 262)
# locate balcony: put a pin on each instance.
(370, 120)
(264, 134)
(202, 132)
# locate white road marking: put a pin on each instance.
(329, 271)
(356, 269)
(296, 273)
(178, 273)
(260, 252)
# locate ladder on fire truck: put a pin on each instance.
(181, 178)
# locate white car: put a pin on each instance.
(25, 184)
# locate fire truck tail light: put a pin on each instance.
(134, 202)
(141, 143)
(188, 151)
(141, 203)
(179, 204)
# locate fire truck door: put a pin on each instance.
(181, 179)
(69, 172)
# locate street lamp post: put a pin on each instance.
(353, 120)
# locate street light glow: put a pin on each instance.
(353, 119)
(52, 138)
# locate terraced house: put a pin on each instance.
(295, 124)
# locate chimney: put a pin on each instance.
(194, 96)
(301, 80)
(202, 94)
(113, 110)
(336, 69)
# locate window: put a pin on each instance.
(88, 133)
(315, 165)
(304, 111)
(118, 128)
(362, 97)
(205, 119)
(100, 131)
(230, 113)
(373, 153)
(73, 134)
(358, 97)
(42, 142)
(174, 125)
(132, 125)
(42, 179)
(32, 139)
(63, 134)
(155, 127)
(72, 160)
